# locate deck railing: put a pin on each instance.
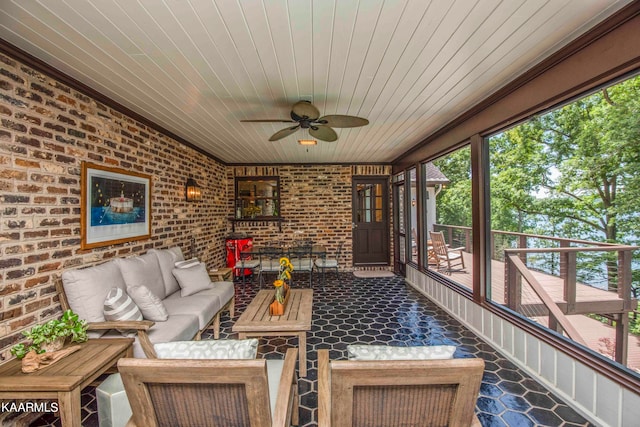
(559, 257)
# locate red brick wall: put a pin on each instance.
(315, 203)
(46, 131)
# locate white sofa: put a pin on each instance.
(85, 290)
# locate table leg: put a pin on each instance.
(302, 353)
(241, 335)
(70, 411)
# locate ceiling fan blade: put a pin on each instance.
(324, 133)
(268, 121)
(305, 108)
(284, 133)
(342, 121)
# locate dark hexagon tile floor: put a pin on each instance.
(387, 311)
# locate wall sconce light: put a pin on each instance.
(192, 191)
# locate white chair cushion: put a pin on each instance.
(149, 304)
(385, 352)
(192, 279)
(274, 372)
(208, 349)
(327, 263)
(247, 263)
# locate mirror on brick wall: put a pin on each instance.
(257, 197)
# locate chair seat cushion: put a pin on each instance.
(247, 263)
(274, 372)
(386, 352)
(208, 349)
(327, 263)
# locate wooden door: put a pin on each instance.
(370, 221)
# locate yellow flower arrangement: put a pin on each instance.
(285, 274)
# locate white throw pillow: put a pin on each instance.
(149, 304)
(119, 306)
(188, 263)
(208, 349)
(192, 279)
(386, 352)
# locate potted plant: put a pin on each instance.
(51, 336)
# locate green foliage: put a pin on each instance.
(69, 325)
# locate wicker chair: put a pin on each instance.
(170, 392)
(388, 393)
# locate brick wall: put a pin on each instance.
(315, 204)
(46, 131)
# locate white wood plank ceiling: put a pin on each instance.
(197, 67)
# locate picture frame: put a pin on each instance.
(115, 206)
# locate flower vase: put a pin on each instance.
(276, 308)
(54, 345)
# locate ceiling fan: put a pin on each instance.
(307, 116)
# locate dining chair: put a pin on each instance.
(301, 257)
(174, 392)
(323, 264)
(388, 393)
(270, 255)
(445, 255)
(246, 262)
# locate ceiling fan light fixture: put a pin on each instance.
(307, 142)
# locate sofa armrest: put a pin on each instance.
(138, 325)
(141, 326)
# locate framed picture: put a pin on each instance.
(115, 206)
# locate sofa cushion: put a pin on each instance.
(149, 304)
(87, 288)
(177, 252)
(143, 270)
(178, 327)
(386, 352)
(208, 349)
(224, 291)
(192, 279)
(204, 307)
(167, 259)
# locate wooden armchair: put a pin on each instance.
(169, 392)
(444, 255)
(388, 393)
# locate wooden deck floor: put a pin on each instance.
(597, 335)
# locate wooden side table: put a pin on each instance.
(65, 379)
(221, 275)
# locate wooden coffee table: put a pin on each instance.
(65, 379)
(296, 320)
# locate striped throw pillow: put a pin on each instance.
(119, 306)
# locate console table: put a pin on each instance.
(65, 379)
